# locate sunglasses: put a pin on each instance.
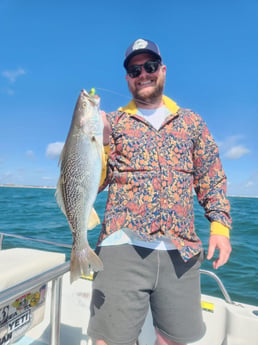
(149, 66)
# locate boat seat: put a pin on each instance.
(18, 265)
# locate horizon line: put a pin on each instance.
(13, 185)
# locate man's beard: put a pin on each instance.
(150, 97)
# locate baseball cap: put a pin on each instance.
(141, 46)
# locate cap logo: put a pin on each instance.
(139, 44)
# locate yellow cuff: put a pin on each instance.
(219, 229)
(106, 149)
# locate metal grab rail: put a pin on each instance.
(2, 234)
(220, 284)
(55, 275)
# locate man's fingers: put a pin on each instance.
(211, 251)
(107, 128)
(223, 258)
(221, 243)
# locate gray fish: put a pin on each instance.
(80, 173)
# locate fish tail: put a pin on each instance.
(82, 262)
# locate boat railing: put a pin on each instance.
(220, 285)
(205, 272)
(3, 234)
(53, 275)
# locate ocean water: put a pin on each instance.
(33, 213)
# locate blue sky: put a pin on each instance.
(50, 50)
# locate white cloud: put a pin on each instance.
(10, 92)
(30, 154)
(232, 149)
(236, 152)
(246, 187)
(40, 171)
(47, 178)
(12, 75)
(7, 90)
(6, 176)
(249, 184)
(54, 149)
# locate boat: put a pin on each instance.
(39, 306)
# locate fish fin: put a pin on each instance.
(93, 219)
(103, 156)
(75, 267)
(59, 195)
(83, 261)
(62, 155)
(95, 262)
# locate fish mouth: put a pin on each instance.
(94, 100)
(84, 92)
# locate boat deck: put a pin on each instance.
(74, 316)
(227, 324)
(61, 315)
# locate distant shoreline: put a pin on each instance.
(25, 186)
(51, 187)
(243, 196)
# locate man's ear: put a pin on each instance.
(164, 69)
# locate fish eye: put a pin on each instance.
(84, 105)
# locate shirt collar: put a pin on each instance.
(131, 107)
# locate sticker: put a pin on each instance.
(19, 321)
(5, 339)
(17, 317)
(207, 306)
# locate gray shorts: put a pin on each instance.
(135, 278)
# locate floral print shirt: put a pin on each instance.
(151, 175)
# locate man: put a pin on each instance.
(158, 152)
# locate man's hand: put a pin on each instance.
(221, 243)
(107, 128)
